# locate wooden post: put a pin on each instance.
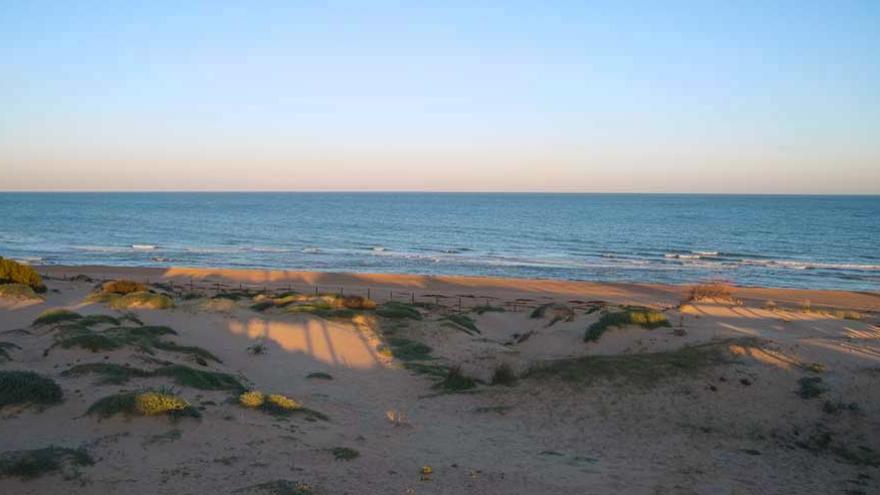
(190, 284)
(316, 290)
(459, 304)
(368, 292)
(413, 298)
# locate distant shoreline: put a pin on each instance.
(448, 286)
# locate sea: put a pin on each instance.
(825, 242)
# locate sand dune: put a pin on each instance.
(731, 397)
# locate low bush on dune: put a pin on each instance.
(27, 387)
(503, 375)
(463, 322)
(144, 403)
(138, 300)
(13, 272)
(182, 375)
(345, 453)
(276, 404)
(455, 381)
(557, 313)
(717, 290)
(406, 350)
(29, 464)
(57, 315)
(115, 374)
(144, 338)
(122, 287)
(18, 291)
(642, 317)
(398, 310)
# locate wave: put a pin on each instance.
(143, 247)
(678, 256)
(810, 265)
(378, 249)
(705, 253)
(311, 250)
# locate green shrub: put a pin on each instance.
(111, 373)
(12, 272)
(51, 316)
(319, 375)
(345, 453)
(94, 342)
(122, 287)
(27, 387)
(643, 317)
(144, 403)
(29, 464)
(142, 300)
(18, 291)
(810, 387)
(503, 375)
(408, 350)
(462, 321)
(455, 381)
(398, 310)
(203, 380)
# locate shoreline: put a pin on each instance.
(474, 287)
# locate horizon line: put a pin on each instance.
(417, 191)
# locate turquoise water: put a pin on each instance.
(785, 241)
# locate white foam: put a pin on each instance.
(143, 247)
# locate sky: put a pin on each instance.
(703, 96)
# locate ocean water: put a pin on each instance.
(783, 241)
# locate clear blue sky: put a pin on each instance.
(696, 96)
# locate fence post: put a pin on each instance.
(190, 284)
(459, 304)
(368, 292)
(316, 290)
(413, 298)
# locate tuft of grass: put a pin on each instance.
(94, 320)
(142, 300)
(94, 342)
(503, 375)
(18, 291)
(196, 352)
(146, 338)
(30, 464)
(717, 290)
(202, 380)
(122, 287)
(398, 310)
(144, 403)
(27, 387)
(57, 315)
(455, 381)
(408, 350)
(432, 370)
(810, 387)
(641, 369)
(488, 308)
(560, 312)
(111, 373)
(319, 375)
(836, 407)
(13, 272)
(4, 348)
(345, 453)
(462, 321)
(643, 317)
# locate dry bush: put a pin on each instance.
(718, 290)
(122, 287)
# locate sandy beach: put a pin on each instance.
(431, 384)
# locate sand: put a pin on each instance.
(735, 427)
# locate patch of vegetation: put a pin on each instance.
(141, 300)
(643, 317)
(408, 350)
(194, 351)
(846, 314)
(111, 373)
(18, 291)
(13, 272)
(455, 381)
(122, 287)
(93, 320)
(713, 290)
(395, 309)
(146, 338)
(432, 370)
(276, 404)
(57, 315)
(94, 342)
(822, 441)
(29, 464)
(27, 387)
(319, 375)
(811, 387)
(462, 321)
(344, 453)
(492, 409)
(641, 369)
(202, 380)
(258, 349)
(503, 375)
(817, 368)
(559, 312)
(488, 308)
(144, 403)
(836, 407)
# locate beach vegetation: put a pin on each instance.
(319, 375)
(144, 403)
(30, 464)
(277, 405)
(455, 381)
(5, 347)
(462, 322)
(56, 315)
(394, 309)
(716, 290)
(27, 387)
(345, 453)
(810, 387)
(122, 287)
(642, 369)
(145, 338)
(503, 374)
(19, 291)
(557, 312)
(13, 272)
(642, 317)
(408, 350)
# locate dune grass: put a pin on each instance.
(463, 322)
(395, 309)
(811, 387)
(319, 375)
(559, 312)
(455, 381)
(122, 287)
(4, 350)
(503, 374)
(716, 290)
(56, 315)
(643, 317)
(345, 453)
(13, 272)
(145, 338)
(488, 308)
(408, 350)
(641, 369)
(30, 464)
(27, 387)
(182, 375)
(18, 291)
(144, 403)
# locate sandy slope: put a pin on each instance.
(732, 428)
